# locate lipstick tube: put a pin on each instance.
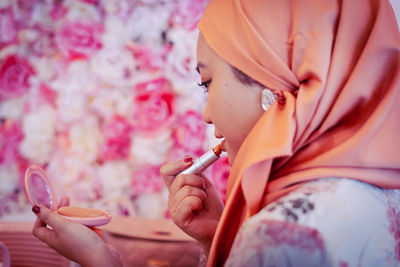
(204, 161)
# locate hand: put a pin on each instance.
(72, 240)
(193, 202)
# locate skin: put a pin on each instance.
(194, 204)
(73, 240)
(233, 108)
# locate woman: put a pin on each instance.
(306, 95)
(308, 171)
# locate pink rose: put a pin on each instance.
(8, 204)
(23, 11)
(46, 95)
(43, 45)
(188, 13)
(189, 134)
(79, 40)
(8, 27)
(14, 76)
(10, 138)
(118, 139)
(146, 179)
(58, 11)
(92, 2)
(220, 174)
(154, 105)
(149, 59)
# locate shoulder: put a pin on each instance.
(328, 222)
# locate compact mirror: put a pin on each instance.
(39, 191)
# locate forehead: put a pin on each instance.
(205, 55)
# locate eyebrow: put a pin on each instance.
(200, 65)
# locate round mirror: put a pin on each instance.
(38, 188)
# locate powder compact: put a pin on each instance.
(39, 191)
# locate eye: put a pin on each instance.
(204, 85)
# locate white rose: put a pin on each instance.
(147, 22)
(39, 134)
(12, 108)
(85, 138)
(151, 150)
(5, 3)
(152, 205)
(72, 176)
(181, 61)
(74, 91)
(114, 65)
(115, 177)
(78, 10)
(9, 177)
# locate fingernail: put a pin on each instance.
(36, 209)
(187, 159)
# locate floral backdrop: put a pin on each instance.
(100, 93)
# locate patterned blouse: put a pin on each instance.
(328, 222)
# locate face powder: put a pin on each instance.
(79, 212)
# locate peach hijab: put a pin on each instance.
(337, 65)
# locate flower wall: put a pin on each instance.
(100, 93)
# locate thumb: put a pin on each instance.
(48, 217)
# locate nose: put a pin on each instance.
(206, 114)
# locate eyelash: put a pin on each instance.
(204, 85)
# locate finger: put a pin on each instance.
(170, 170)
(64, 201)
(42, 232)
(186, 191)
(186, 210)
(207, 183)
(186, 179)
(50, 218)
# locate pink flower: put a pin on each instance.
(10, 138)
(8, 27)
(23, 11)
(92, 2)
(46, 95)
(393, 216)
(220, 174)
(9, 204)
(43, 45)
(189, 134)
(149, 59)
(79, 40)
(58, 11)
(188, 13)
(146, 179)
(14, 76)
(292, 234)
(154, 105)
(118, 139)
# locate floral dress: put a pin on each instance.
(328, 222)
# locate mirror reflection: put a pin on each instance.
(40, 192)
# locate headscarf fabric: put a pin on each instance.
(337, 66)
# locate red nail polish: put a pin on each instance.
(36, 209)
(187, 159)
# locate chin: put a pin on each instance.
(231, 158)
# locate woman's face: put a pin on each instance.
(232, 106)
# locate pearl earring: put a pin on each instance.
(267, 98)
